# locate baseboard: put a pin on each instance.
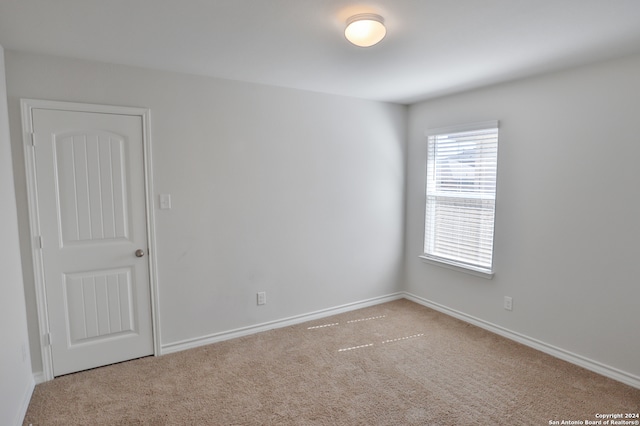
(285, 322)
(39, 377)
(595, 366)
(26, 399)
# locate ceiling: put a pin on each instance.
(432, 47)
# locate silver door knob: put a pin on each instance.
(139, 253)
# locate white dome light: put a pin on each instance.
(365, 29)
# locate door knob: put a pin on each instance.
(139, 253)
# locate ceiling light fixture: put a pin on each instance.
(365, 29)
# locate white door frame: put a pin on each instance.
(27, 105)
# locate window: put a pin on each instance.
(461, 196)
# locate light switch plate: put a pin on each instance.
(165, 201)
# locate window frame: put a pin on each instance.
(444, 261)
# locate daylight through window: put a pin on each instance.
(461, 196)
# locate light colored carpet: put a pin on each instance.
(397, 363)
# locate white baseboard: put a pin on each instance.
(38, 377)
(595, 366)
(285, 322)
(26, 399)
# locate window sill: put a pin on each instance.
(460, 267)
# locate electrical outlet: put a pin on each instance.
(262, 298)
(508, 303)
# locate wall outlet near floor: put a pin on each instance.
(262, 297)
(508, 303)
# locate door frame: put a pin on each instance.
(27, 106)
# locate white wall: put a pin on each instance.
(568, 205)
(16, 380)
(294, 193)
(300, 195)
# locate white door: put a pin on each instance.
(92, 216)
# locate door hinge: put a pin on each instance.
(39, 242)
(32, 139)
(47, 339)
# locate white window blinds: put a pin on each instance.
(461, 194)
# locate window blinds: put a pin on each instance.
(461, 193)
